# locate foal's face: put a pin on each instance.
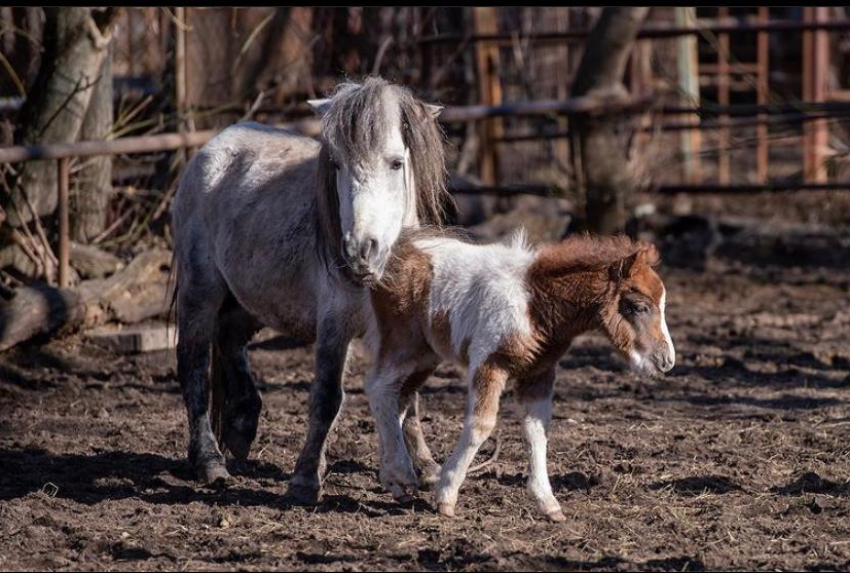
(638, 326)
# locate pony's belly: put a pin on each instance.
(287, 306)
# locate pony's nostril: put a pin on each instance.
(368, 249)
(349, 246)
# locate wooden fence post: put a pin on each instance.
(490, 90)
(64, 222)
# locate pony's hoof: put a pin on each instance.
(304, 494)
(238, 444)
(406, 499)
(213, 474)
(556, 516)
(446, 509)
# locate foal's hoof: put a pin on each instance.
(304, 494)
(446, 509)
(429, 476)
(556, 516)
(213, 474)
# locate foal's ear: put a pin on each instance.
(646, 255)
(320, 106)
(622, 269)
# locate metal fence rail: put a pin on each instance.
(62, 152)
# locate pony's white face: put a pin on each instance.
(376, 197)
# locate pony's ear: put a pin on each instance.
(320, 106)
(434, 110)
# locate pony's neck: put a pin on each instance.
(564, 306)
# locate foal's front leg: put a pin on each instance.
(427, 470)
(485, 388)
(383, 386)
(535, 400)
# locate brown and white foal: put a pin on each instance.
(505, 311)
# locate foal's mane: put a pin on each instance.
(587, 253)
(355, 124)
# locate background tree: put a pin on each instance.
(599, 154)
(76, 42)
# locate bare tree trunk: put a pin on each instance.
(75, 45)
(94, 182)
(599, 154)
(137, 292)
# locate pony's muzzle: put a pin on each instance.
(362, 256)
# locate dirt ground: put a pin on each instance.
(739, 459)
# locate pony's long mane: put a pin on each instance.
(355, 124)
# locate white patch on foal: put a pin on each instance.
(662, 305)
(482, 289)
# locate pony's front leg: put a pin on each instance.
(397, 475)
(326, 396)
(485, 389)
(535, 399)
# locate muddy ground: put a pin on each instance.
(739, 459)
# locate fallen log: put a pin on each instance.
(134, 293)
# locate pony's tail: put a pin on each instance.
(171, 286)
(217, 395)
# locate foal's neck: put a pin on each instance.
(564, 306)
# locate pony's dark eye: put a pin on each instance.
(334, 164)
(396, 164)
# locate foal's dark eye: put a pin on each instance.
(640, 308)
(396, 164)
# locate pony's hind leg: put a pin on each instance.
(240, 413)
(535, 399)
(326, 396)
(485, 389)
(427, 470)
(199, 298)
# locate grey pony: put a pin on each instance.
(274, 228)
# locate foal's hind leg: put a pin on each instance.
(242, 401)
(427, 470)
(535, 398)
(199, 297)
(485, 388)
